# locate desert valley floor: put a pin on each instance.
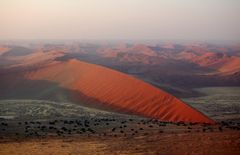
(46, 127)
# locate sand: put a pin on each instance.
(189, 143)
(117, 91)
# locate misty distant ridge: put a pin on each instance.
(171, 66)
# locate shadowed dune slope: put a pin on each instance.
(118, 91)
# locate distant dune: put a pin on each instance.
(3, 49)
(175, 68)
(17, 51)
(117, 91)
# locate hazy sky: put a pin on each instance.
(120, 19)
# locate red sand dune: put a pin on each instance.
(118, 91)
(143, 49)
(134, 50)
(168, 46)
(35, 59)
(231, 66)
(3, 49)
(220, 61)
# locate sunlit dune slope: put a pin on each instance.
(118, 91)
(3, 50)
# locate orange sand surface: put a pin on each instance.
(189, 143)
(118, 91)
